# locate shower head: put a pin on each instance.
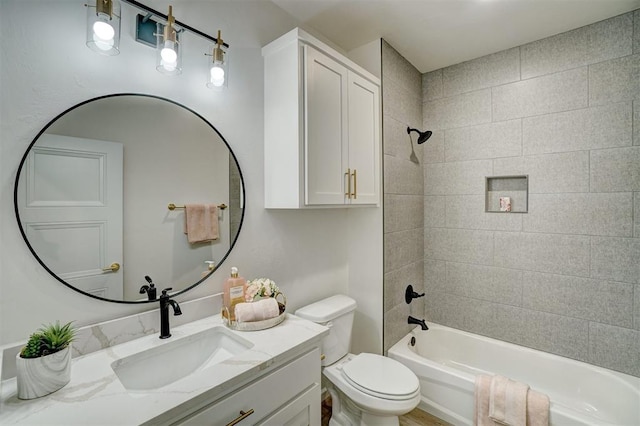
(422, 136)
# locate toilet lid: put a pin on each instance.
(380, 376)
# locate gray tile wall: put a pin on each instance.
(564, 277)
(583, 46)
(404, 201)
(235, 204)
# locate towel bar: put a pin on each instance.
(172, 206)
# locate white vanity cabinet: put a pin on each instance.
(288, 395)
(274, 378)
(322, 126)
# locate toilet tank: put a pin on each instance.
(335, 312)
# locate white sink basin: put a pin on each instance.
(178, 358)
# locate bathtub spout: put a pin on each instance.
(422, 323)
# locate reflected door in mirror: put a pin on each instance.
(71, 208)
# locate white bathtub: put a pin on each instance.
(447, 360)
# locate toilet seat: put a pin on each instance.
(380, 377)
(381, 404)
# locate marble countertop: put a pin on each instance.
(95, 396)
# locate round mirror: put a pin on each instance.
(94, 188)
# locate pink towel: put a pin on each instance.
(537, 409)
(508, 401)
(537, 405)
(257, 311)
(483, 389)
(201, 222)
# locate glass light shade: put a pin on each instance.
(103, 27)
(168, 51)
(218, 66)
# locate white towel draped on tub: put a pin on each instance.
(501, 401)
(201, 222)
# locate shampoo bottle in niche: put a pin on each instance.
(234, 289)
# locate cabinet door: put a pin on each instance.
(304, 410)
(364, 140)
(325, 123)
(267, 395)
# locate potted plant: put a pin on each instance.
(44, 364)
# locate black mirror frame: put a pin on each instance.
(35, 139)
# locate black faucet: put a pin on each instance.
(409, 294)
(422, 323)
(165, 301)
(149, 289)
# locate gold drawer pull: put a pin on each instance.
(348, 175)
(322, 357)
(114, 267)
(243, 415)
(355, 184)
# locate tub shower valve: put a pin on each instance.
(409, 294)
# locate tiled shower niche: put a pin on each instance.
(506, 194)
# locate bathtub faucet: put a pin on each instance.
(422, 323)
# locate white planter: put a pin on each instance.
(41, 376)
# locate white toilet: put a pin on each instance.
(366, 389)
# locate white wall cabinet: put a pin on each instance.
(322, 126)
(364, 140)
(288, 395)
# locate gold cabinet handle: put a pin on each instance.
(243, 415)
(348, 175)
(322, 357)
(355, 184)
(114, 267)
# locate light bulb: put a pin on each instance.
(217, 83)
(103, 27)
(102, 44)
(168, 53)
(169, 66)
(103, 31)
(217, 76)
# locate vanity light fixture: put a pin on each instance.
(168, 48)
(218, 66)
(103, 36)
(103, 27)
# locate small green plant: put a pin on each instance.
(48, 340)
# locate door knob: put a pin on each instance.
(114, 267)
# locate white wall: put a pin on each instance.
(365, 278)
(369, 57)
(366, 244)
(44, 73)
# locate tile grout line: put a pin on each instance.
(520, 58)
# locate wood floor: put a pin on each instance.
(416, 417)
